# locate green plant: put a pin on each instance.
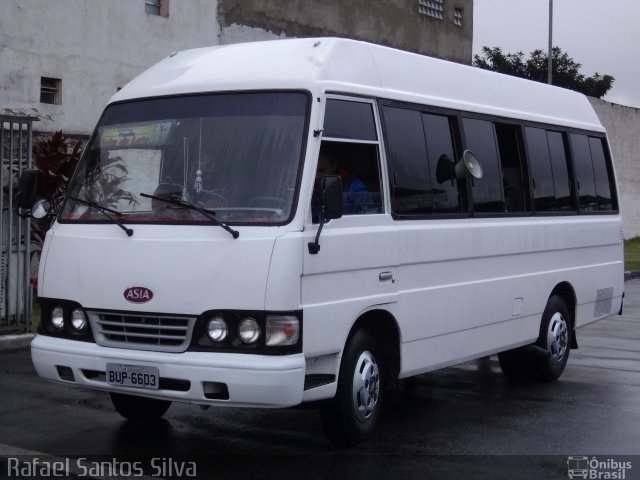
(632, 254)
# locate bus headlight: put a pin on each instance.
(78, 320)
(57, 317)
(282, 330)
(248, 330)
(217, 329)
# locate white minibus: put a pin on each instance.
(312, 220)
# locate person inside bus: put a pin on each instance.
(356, 198)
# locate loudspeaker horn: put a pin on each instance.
(468, 166)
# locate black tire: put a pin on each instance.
(546, 359)
(555, 340)
(352, 415)
(139, 409)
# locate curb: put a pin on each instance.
(15, 342)
(631, 275)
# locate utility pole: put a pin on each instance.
(550, 52)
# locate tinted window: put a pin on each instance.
(440, 148)
(584, 172)
(408, 171)
(541, 170)
(487, 191)
(561, 179)
(346, 119)
(549, 171)
(421, 162)
(603, 185)
(514, 178)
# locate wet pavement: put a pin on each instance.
(464, 421)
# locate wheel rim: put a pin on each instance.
(557, 337)
(366, 386)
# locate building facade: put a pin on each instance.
(63, 60)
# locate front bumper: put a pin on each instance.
(251, 380)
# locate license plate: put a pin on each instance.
(133, 376)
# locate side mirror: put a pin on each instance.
(26, 194)
(330, 206)
(40, 209)
(331, 197)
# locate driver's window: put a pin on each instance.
(350, 150)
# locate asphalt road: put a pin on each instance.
(467, 421)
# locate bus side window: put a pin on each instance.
(417, 146)
(350, 149)
(487, 192)
(544, 190)
(549, 170)
(604, 189)
(514, 172)
(585, 180)
(357, 166)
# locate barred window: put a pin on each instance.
(432, 8)
(457, 16)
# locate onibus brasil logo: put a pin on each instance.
(600, 469)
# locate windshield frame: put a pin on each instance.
(126, 219)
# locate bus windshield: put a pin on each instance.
(235, 155)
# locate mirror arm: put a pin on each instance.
(314, 247)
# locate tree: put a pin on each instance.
(566, 71)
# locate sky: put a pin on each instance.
(602, 35)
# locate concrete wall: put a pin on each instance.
(93, 46)
(623, 127)
(96, 46)
(396, 23)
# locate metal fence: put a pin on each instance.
(15, 232)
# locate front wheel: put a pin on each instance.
(352, 415)
(139, 409)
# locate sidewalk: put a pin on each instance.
(15, 342)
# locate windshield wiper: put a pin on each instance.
(207, 213)
(104, 210)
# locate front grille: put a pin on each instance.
(142, 332)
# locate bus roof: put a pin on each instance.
(360, 68)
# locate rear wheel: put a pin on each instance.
(554, 338)
(352, 415)
(547, 358)
(139, 409)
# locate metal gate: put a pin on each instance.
(15, 232)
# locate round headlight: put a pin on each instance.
(78, 320)
(217, 329)
(57, 318)
(248, 330)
